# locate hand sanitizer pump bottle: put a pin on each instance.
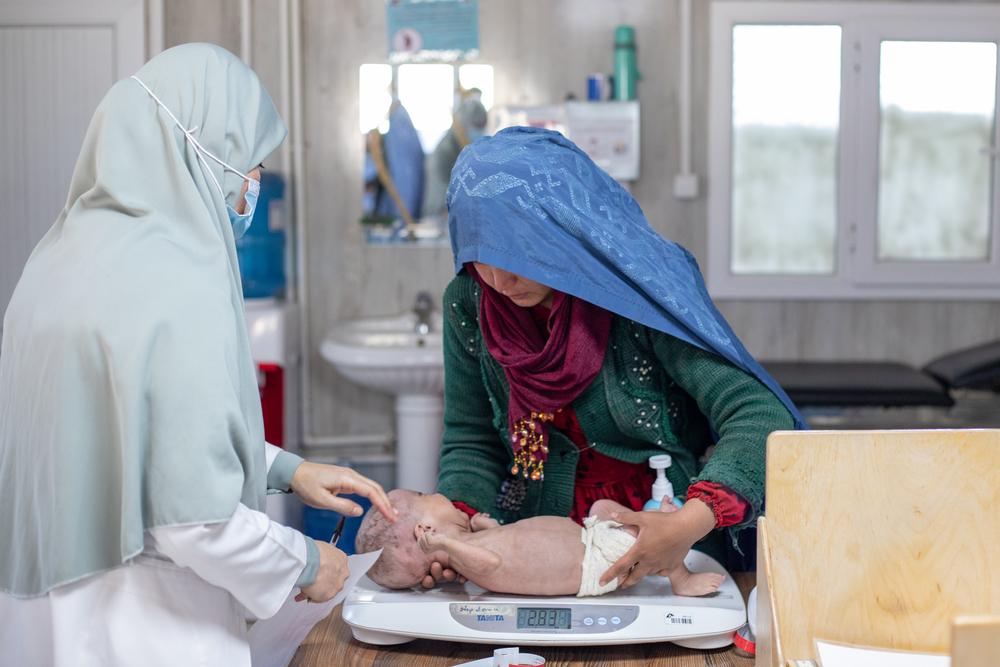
(662, 488)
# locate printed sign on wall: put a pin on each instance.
(438, 30)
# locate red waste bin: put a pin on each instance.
(271, 383)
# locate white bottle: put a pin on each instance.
(662, 488)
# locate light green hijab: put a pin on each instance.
(128, 397)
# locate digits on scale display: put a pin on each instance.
(543, 617)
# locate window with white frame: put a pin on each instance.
(853, 150)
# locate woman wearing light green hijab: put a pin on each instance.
(132, 458)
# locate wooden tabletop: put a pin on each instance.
(330, 644)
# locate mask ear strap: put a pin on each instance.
(200, 150)
(218, 186)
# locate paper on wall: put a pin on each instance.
(273, 641)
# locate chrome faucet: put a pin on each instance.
(422, 308)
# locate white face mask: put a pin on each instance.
(239, 221)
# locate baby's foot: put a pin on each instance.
(685, 582)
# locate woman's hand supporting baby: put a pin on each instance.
(663, 541)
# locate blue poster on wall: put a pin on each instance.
(422, 30)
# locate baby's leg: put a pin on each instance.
(604, 508)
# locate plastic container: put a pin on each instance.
(261, 251)
(596, 84)
(662, 488)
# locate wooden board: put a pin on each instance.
(975, 641)
(881, 538)
(768, 639)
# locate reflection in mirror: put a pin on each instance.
(479, 77)
(415, 120)
(375, 97)
(426, 91)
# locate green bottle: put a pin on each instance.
(626, 69)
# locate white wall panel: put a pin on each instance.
(56, 63)
(52, 79)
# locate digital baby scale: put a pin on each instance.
(648, 612)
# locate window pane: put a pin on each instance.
(786, 116)
(937, 107)
(375, 96)
(427, 92)
(478, 76)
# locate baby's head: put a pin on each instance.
(403, 564)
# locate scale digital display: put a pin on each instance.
(552, 618)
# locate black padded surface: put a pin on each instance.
(975, 367)
(857, 383)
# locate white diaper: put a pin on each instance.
(604, 543)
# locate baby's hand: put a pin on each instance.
(428, 539)
(483, 521)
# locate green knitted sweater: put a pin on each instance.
(654, 394)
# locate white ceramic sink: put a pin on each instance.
(387, 354)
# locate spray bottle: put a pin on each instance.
(662, 488)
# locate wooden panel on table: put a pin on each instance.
(768, 641)
(881, 538)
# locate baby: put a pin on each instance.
(544, 555)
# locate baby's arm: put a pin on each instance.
(468, 560)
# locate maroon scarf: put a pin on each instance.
(546, 371)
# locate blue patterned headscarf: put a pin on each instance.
(530, 202)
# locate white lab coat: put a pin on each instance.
(184, 601)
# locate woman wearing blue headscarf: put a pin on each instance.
(578, 343)
(132, 454)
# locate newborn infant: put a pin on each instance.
(544, 555)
